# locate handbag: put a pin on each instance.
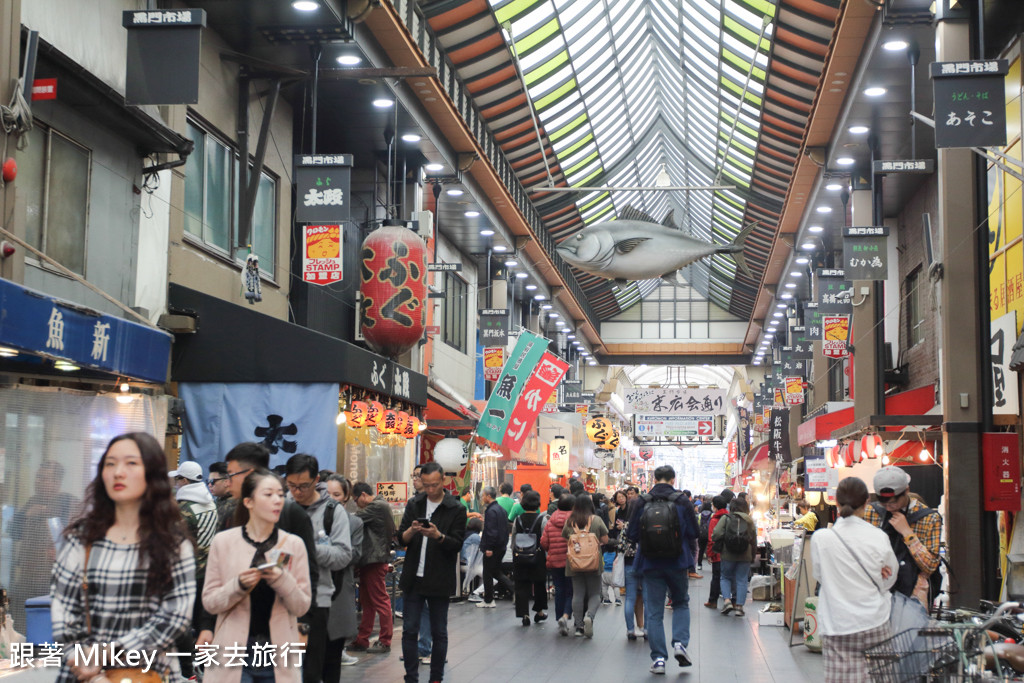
(120, 675)
(619, 571)
(905, 613)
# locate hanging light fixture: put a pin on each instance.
(402, 418)
(412, 427)
(374, 410)
(124, 394)
(356, 414)
(813, 498)
(925, 454)
(599, 429)
(450, 454)
(388, 423)
(558, 456)
(871, 447)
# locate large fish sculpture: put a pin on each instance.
(628, 249)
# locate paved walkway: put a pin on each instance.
(493, 646)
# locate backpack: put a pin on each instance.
(526, 551)
(736, 538)
(661, 535)
(584, 552)
(338, 575)
(705, 524)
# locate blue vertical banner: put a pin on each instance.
(286, 418)
(520, 365)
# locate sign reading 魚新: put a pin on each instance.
(322, 183)
(970, 103)
(681, 401)
(321, 254)
(865, 256)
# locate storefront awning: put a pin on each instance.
(237, 344)
(756, 456)
(821, 428)
(36, 323)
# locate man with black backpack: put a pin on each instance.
(664, 526)
(493, 543)
(914, 531)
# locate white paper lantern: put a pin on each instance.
(450, 453)
(559, 457)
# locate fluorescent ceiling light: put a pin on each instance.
(560, 323)
(522, 275)
(472, 214)
(412, 137)
(500, 247)
(571, 336)
(790, 285)
(786, 295)
(6, 352)
(803, 261)
(845, 161)
(486, 232)
(455, 192)
(815, 228)
(384, 103)
(824, 209)
(434, 167)
(894, 45)
(807, 246)
(531, 287)
(833, 187)
(539, 297)
(65, 366)
(780, 305)
(350, 60)
(552, 315)
(546, 307)
(591, 362)
(777, 314)
(795, 273)
(875, 91)
(511, 263)
(858, 130)
(306, 5)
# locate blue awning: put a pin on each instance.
(38, 323)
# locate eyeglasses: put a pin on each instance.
(214, 480)
(417, 476)
(300, 487)
(229, 476)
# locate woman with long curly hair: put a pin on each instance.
(125, 577)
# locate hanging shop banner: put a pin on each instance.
(836, 335)
(778, 437)
(551, 405)
(834, 291)
(1001, 466)
(322, 183)
(759, 421)
(790, 366)
(865, 254)
(815, 474)
(41, 324)
(151, 78)
(743, 432)
(766, 416)
(794, 390)
(1004, 383)
(321, 254)
(683, 401)
(541, 384)
(570, 389)
(780, 397)
(673, 425)
(801, 346)
(520, 365)
(494, 326)
(970, 103)
(812, 321)
(494, 359)
(286, 418)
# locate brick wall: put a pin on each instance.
(922, 358)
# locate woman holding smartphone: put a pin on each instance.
(257, 583)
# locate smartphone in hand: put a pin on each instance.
(424, 521)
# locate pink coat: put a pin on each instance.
(230, 555)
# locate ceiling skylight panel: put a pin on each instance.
(600, 211)
(596, 72)
(625, 13)
(542, 54)
(531, 22)
(558, 118)
(594, 37)
(582, 134)
(626, 40)
(543, 90)
(559, 75)
(572, 12)
(743, 14)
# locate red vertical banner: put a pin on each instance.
(1001, 471)
(539, 386)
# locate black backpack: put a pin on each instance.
(338, 575)
(736, 538)
(526, 551)
(661, 535)
(705, 522)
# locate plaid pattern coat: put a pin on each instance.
(121, 611)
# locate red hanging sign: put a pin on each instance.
(542, 382)
(836, 335)
(1000, 454)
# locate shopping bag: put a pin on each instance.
(619, 571)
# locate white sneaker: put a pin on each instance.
(489, 605)
(347, 659)
(658, 667)
(588, 626)
(563, 626)
(681, 656)
(473, 597)
(640, 633)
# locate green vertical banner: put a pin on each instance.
(518, 368)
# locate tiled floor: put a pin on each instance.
(492, 646)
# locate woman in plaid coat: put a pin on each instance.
(124, 580)
(856, 567)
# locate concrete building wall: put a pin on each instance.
(448, 363)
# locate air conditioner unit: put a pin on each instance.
(423, 224)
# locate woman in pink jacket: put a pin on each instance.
(556, 547)
(257, 583)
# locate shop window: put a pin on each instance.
(838, 379)
(212, 201)
(54, 179)
(455, 311)
(915, 318)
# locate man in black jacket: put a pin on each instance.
(428, 576)
(493, 542)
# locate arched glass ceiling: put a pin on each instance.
(623, 87)
(668, 376)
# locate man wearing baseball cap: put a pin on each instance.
(914, 531)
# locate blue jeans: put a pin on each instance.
(563, 592)
(261, 675)
(438, 609)
(426, 640)
(656, 583)
(734, 581)
(629, 604)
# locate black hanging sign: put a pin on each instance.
(778, 435)
(865, 256)
(970, 103)
(494, 326)
(322, 183)
(163, 55)
(834, 291)
(903, 166)
(802, 347)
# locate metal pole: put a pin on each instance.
(314, 104)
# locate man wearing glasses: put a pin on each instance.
(333, 553)
(378, 533)
(241, 460)
(220, 485)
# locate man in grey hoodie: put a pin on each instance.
(333, 553)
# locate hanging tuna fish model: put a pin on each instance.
(636, 248)
(393, 287)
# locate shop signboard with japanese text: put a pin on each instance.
(322, 183)
(970, 103)
(865, 255)
(1001, 471)
(835, 331)
(834, 291)
(494, 359)
(682, 401)
(674, 425)
(1004, 381)
(396, 493)
(778, 435)
(321, 254)
(541, 384)
(494, 422)
(815, 474)
(494, 326)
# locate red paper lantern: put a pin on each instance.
(394, 287)
(10, 171)
(832, 456)
(356, 414)
(412, 427)
(388, 423)
(871, 446)
(373, 412)
(848, 455)
(403, 418)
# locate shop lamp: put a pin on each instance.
(124, 396)
(450, 454)
(871, 447)
(813, 498)
(924, 455)
(412, 427)
(402, 418)
(356, 414)
(422, 426)
(848, 458)
(885, 460)
(373, 412)
(599, 429)
(558, 456)
(388, 423)
(341, 419)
